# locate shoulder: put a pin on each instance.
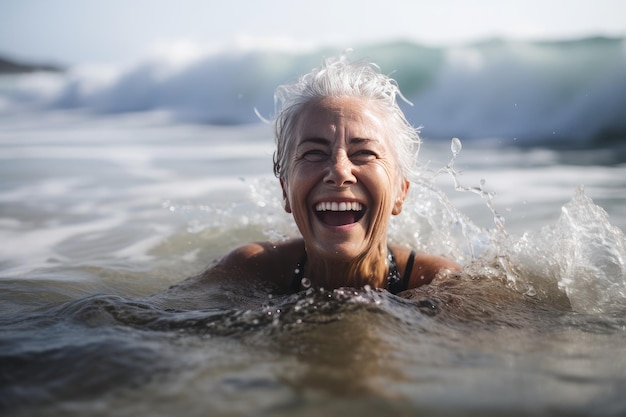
(425, 266)
(258, 261)
(260, 253)
(428, 266)
(248, 255)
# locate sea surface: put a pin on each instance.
(117, 184)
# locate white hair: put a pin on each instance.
(339, 77)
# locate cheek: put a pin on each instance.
(296, 189)
(384, 186)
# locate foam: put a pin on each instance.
(522, 92)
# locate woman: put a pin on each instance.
(344, 154)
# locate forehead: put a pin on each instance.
(353, 116)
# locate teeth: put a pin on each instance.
(343, 206)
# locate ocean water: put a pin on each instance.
(118, 184)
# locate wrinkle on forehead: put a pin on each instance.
(327, 115)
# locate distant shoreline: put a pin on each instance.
(8, 66)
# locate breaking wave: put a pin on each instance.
(521, 93)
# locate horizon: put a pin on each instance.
(184, 50)
(70, 32)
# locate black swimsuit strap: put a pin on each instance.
(409, 268)
(395, 282)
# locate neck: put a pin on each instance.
(369, 269)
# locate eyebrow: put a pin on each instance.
(315, 140)
(362, 140)
(324, 141)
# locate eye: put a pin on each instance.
(363, 156)
(314, 155)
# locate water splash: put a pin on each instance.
(577, 263)
(498, 238)
(592, 269)
(582, 257)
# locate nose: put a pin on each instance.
(340, 171)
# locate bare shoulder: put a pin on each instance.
(248, 256)
(256, 261)
(425, 266)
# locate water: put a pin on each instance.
(102, 215)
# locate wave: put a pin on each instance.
(521, 93)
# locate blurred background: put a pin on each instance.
(523, 72)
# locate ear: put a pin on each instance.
(285, 198)
(404, 189)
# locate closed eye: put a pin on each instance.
(363, 156)
(314, 155)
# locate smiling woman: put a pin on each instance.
(345, 155)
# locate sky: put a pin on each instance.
(112, 31)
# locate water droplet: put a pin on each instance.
(306, 283)
(456, 146)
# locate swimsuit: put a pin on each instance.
(395, 282)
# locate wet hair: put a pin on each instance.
(339, 77)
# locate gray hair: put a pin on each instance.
(339, 77)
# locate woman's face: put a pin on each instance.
(343, 182)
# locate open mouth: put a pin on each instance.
(339, 214)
